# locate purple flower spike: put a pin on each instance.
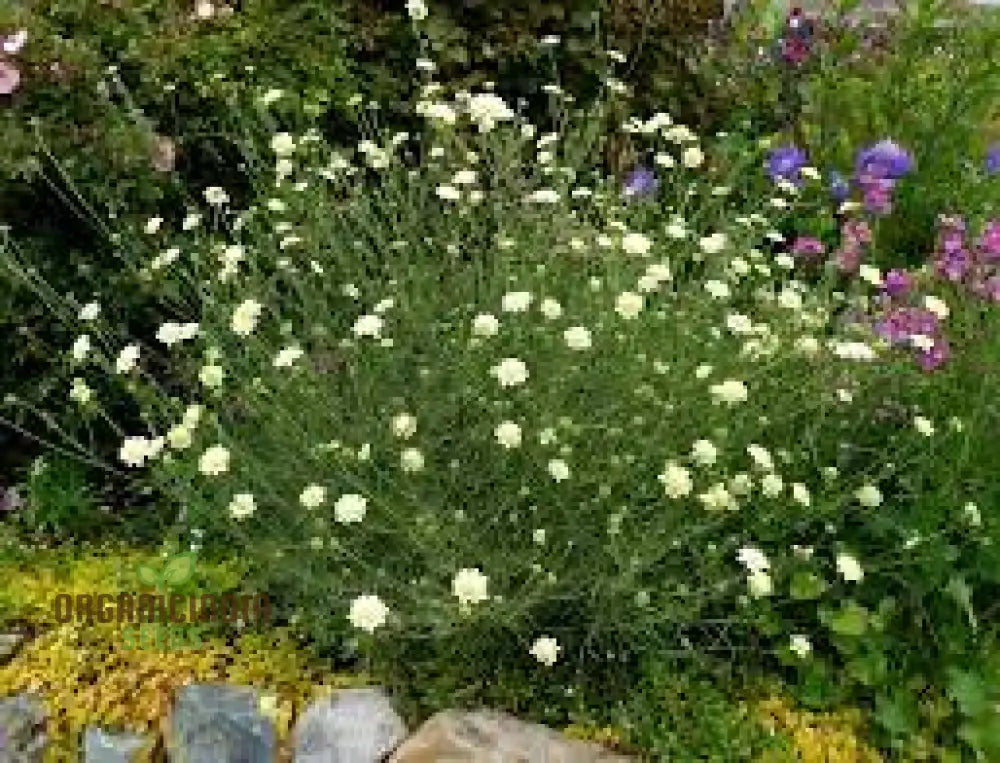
(786, 163)
(641, 182)
(897, 283)
(993, 159)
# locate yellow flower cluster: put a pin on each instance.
(85, 676)
(817, 737)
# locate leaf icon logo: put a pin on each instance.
(175, 572)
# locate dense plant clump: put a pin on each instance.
(478, 405)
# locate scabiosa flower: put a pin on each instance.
(936, 356)
(640, 182)
(368, 612)
(885, 159)
(990, 241)
(786, 163)
(470, 586)
(546, 650)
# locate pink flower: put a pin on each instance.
(10, 77)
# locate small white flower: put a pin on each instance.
(134, 451)
(676, 480)
(577, 338)
(731, 391)
(937, 306)
(411, 460)
(739, 324)
(717, 289)
(714, 244)
(800, 646)
(214, 461)
(152, 225)
(543, 195)
(485, 325)
(81, 347)
(242, 506)
(179, 437)
(90, 311)
(368, 612)
(464, 177)
(717, 498)
(629, 304)
(510, 372)
(508, 434)
(636, 244)
(760, 456)
(313, 496)
(469, 586)
(368, 325)
(283, 144)
(558, 469)
(924, 425)
(546, 650)
(216, 196)
(516, 302)
(972, 514)
(692, 157)
(800, 494)
(771, 485)
(417, 9)
(287, 357)
(211, 376)
(849, 568)
(753, 559)
(245, 317)
(80, 393)
(350, 508)
(448, 193)
(869, 496)
(551, 309)
(404, 426)
(704, 452)
(759, 584)
(870, 274)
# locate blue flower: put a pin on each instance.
(993, 159)
(641, 182)
(786, 163)
(839, 188)
(885, 160)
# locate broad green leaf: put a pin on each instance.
(806, 585)
(969, 691)
(148, 575)
(851, 620)
(962, 594)
(179, 569)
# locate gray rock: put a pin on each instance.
(217, 723)
(22, 729)
(102, 747)
(9, 644)
(353, 726)
(490, 737)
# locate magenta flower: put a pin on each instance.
(936, 356)
(990, 241)
(897, 283)
(809, 247)
(848, 258)
(10, 77)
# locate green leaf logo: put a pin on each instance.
(176, 571)
(179, 569)
(148, 575)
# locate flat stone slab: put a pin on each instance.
(491, 737)
(218, 723)
(100, 746)
(22, 729)
(9, 644)
(352, 726)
